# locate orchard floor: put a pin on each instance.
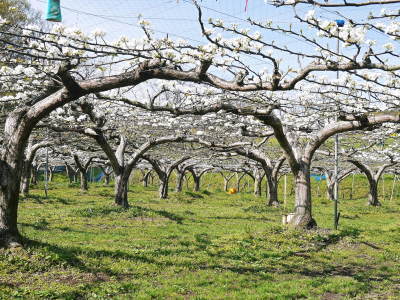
(206, 245)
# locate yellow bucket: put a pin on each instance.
(232, 191)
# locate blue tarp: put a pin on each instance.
(318, 177)
(99, 177)
(59, 169)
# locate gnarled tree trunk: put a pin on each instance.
(51, 172)
(26, 178)
(226, 183)
(330, 180)
(163, 190)
(26, 172)
(196, 183)
(121, 189)
(257, 186)
(330, 191)
(227, 179)
(107, 171)
(373, 179)
(146, 178)
(197, 174)
(258, 177)
(9, 235)
(272, 191)
(11, 164)
(302, 216)
(83, 170)
(70, 172)
(373, 193)
(239, 178)
(84, 182)
(10, 185)
(179, 180)
(164, 173)
(107, 179)
(34, 170)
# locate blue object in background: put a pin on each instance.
(340, 23)
(99, 177)
(53, 11)
(318, 177)
(59, 169)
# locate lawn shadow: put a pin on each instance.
(163, 213)
(194, 195)
(42, 224)
(133, 212)
(43, 199)
(70, 256)
(238, 264)
(241, 218)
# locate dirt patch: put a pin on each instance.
(7, 284)
(80, 278)
(331, 296)
(64, 278)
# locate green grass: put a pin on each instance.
(206, 245)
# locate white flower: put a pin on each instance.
(60, 111)
(310, 15)
(388, 46)
(70, 119)
(81, 118)
(29, 71)
(98, 33)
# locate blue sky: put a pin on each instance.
(177, 18)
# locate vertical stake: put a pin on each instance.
(285, 191)
(339, 23)
(394, 181)
(46, 174)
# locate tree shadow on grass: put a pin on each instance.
(163, 213)
(80, 258)
(71, 256)
(132, 211)
(42, 225)
(324, 241)
(42, 199)
(194, 195)
(240, 218)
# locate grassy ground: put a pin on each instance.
(206, 245)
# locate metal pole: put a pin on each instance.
(46, 175)
(339, 23)
(336, 170)
(393, 184)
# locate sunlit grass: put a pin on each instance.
(206, 245)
